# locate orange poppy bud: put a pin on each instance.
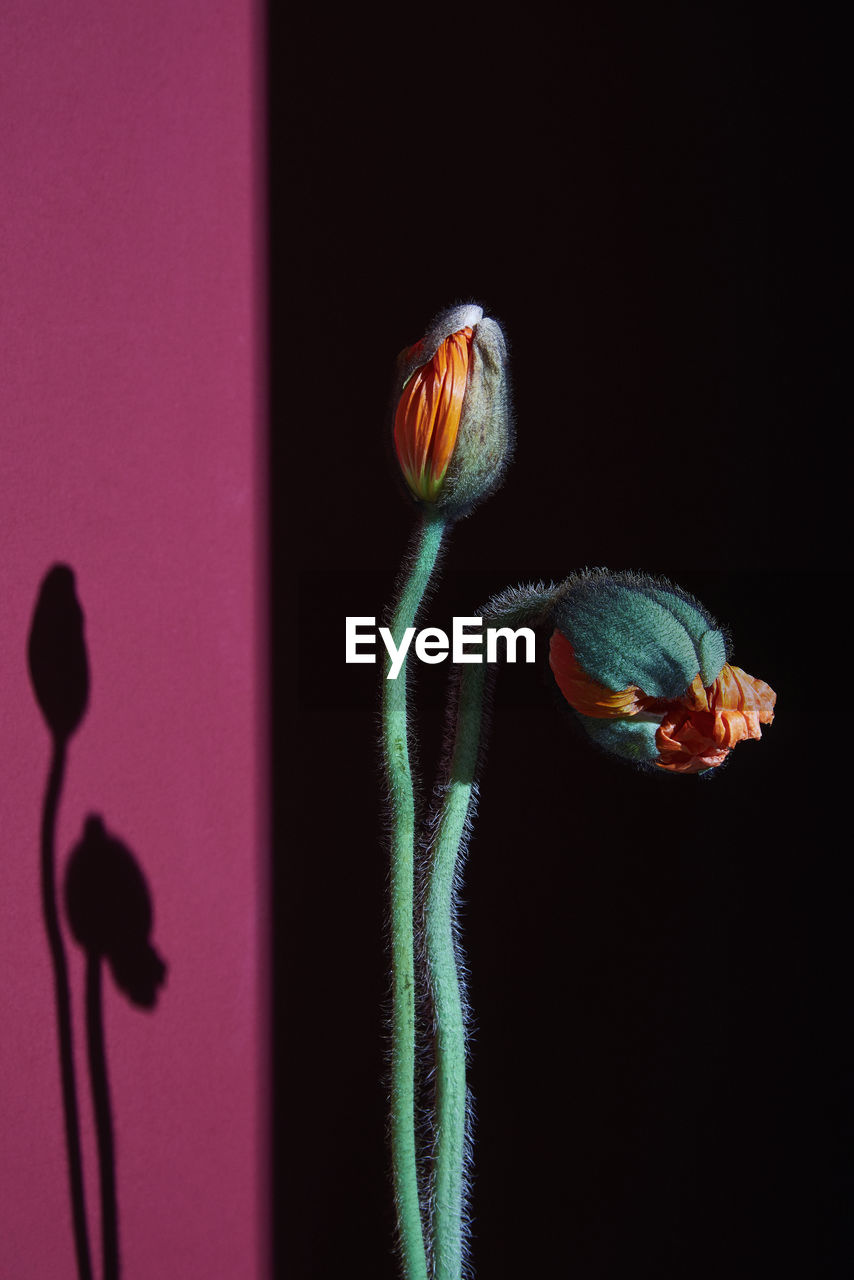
(686, 708)
(452, 430)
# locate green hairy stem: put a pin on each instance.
(426, 545)
(444, 959)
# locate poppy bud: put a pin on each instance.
(452, 430)
(644, 666)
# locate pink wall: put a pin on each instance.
(131, 335)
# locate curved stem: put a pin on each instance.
(426, 545)
(103, 1119)
(448, 1189)
(63, 1008)
(444, 959)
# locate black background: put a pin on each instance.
(645, 201)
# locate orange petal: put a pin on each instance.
(686, 741)
(582, 693)
(742, 703)
(700, 730)
(428, 414)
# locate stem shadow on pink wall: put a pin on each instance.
(109, 909)
(108, 904)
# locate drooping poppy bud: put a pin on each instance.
(645, 667)
(452, 429)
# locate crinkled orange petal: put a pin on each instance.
(427, 419)
(686, 742)
(584, 694)
(701, 729)
(742, 703)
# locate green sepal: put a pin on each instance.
(627, 629)
(485, 439)
(632, 739)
